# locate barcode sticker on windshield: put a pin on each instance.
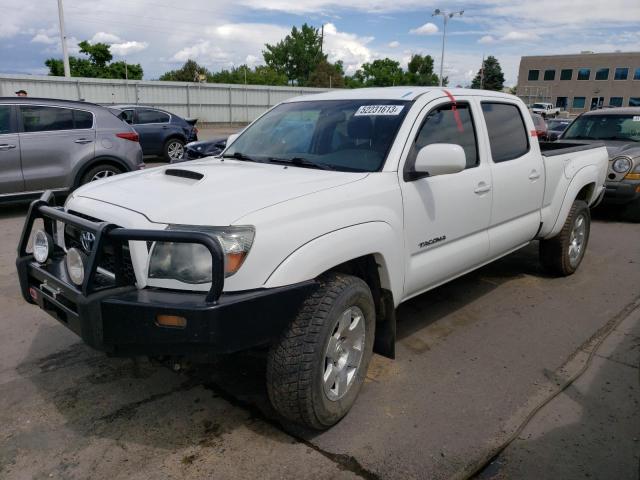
(636, 118)
(379, 110)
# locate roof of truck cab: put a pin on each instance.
(396, 93)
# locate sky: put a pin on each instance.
(162, 34)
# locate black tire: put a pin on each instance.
(167, 149)
(98, 172)
(631, 212)
(557, 253)
(297, 361)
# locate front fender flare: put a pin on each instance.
(334, 248)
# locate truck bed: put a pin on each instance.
(550, 149)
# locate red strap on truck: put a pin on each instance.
(454, 109)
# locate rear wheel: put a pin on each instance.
(562, 254)
(173, 150)
(317, 367)
(99, 172)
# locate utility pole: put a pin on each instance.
(482, 74)
(321, 38)
(446, 16)
(63, 38)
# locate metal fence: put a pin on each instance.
(209, 102)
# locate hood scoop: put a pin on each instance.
(179, 172)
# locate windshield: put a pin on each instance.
(539, 105)
(605, 127)
(557, 124)
(346, 135)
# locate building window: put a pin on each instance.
(534, 75)
(562, 102)
(584, 73)
(621, 74)
(636, 76)
(549, 74)
(634, 102)
(566, 74)
(615, 102)
(578, 102)
(602, 74)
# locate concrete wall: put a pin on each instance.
(209, 102)
(542, 90)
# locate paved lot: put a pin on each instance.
(475, 357)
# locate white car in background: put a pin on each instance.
(547, 110)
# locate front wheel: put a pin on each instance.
(562, 254)
(317, 367)
(99, 172)
(173, 150)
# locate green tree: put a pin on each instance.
(379, 73)
(297, 55)
(490, 76)
(189, 72)
(420, 71)
(95, 65)
(327, 75)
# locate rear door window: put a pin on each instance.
(45, 119)
(151, 116)
(507, 131)
(5, 119)
(83, 119)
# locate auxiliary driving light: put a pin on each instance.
(42, 246)
(174, 321)
(75, 265)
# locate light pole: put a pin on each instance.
(63, 38)
(446, 16)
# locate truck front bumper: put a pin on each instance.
(123, 321)
(114, 316)
(619, 193)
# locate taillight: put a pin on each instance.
(195, 130)
(133, 136)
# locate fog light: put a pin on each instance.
(171, 321)
(75, 265)
(33, 293)
(42, 246)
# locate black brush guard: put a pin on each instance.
(122, 320)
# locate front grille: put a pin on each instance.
(73, 239)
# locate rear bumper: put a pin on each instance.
(619, 193)
(123, 321)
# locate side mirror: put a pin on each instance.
(440, 159)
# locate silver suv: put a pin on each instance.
(59, 145)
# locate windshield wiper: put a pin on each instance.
(241, 156)
(301, 162)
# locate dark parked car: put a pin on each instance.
(619, 130)
(48, 144)
(203, 148)
(161, 133)
(556, 126)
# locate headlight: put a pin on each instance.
(191, 262)
(621, 164)
(42, 246)
(75, 265)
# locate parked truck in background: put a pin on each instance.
(547, 110)
(309, 230)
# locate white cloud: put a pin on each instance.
(426, 29)
(487, 39)
(127, 48)
(104, 37)
(42, 37)
(519, 36)
(394, 44)
(351, 49)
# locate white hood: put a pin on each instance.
(227, 191)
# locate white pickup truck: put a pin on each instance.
(546, 110)
(309, 230)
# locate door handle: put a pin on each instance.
(82, 141)
(7, 146)
(534, 175)
(482, 188)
